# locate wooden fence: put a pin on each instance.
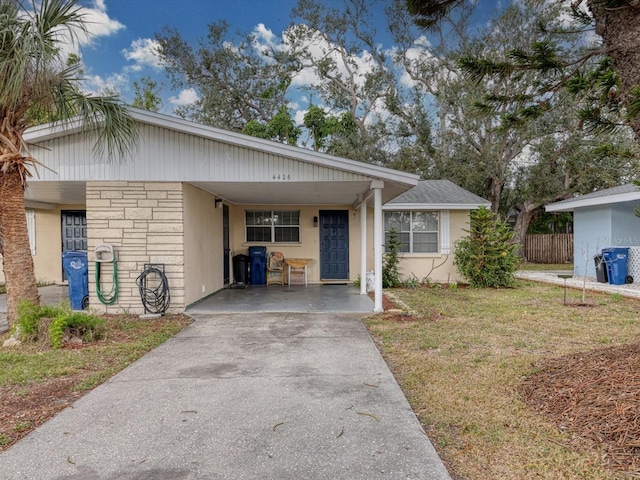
(553, 248)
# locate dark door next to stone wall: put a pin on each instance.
(74, 232)
(334, 244)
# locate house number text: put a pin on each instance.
(282, 177)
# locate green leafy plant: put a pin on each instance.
(487, 257)
(391, 262)
(55, 322)
(412, 282)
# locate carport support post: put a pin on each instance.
(377, 243)
(363, 247)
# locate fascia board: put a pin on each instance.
(433, 206)
(568, 206)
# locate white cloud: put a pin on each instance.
(264, 35)
(98, 22)
(318, 48)
(144, 53)
(185, 97)
(97, 85)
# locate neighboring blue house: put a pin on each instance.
(603, 219)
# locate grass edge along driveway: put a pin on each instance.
(463, 355)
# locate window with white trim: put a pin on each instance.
(417, 231)
(31, 229)
(272, 226)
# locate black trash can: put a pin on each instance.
(241, 269)
(258, 265)
(601, 269)
(76, 267)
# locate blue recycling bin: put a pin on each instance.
(616, 261)
(76, 267)
(258, 258)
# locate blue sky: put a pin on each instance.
(120, 50)
(118, 53)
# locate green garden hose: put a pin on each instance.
(111, 297)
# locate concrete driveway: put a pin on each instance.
(240, 396)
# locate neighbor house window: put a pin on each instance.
(273, 226)
(31, 229)
(417, 231)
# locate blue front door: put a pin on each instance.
(334, 244)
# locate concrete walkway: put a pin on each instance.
(240, 396)
(631, 290)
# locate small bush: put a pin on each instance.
(390, 262)
(54, 323)
(412, 282)
(486, 257)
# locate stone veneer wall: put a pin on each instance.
(144, 223)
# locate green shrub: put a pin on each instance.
(55, 322)
(390, 262)
(486, 257)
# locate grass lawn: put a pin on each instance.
(546, 266)
(37, 381)
(462, 359)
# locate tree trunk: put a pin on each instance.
(523, 220)
(17, 261)
(496, 186)
(620, 29)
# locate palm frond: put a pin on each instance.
(108, 117)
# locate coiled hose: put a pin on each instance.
(154, 289)
(111, 297)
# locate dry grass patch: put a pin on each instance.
(462, 362)
(37, 381)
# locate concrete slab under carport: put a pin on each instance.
(278, 298)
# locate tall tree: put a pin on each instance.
(330, 55)
(496, 137)
(239, 79)
(280, 128)
(147, 94)
(354, 75)
(36, 85)
(617, 22)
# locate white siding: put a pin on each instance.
(167, 155)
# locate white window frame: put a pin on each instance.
(442, 233)
(31, 229)
(272, 226)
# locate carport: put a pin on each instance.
(186, 198)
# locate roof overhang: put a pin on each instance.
(579, 202)
(358, 177)
(433, 206)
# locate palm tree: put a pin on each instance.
(37, 86)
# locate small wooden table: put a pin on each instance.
(299, 264)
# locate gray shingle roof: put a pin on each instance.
(438, 192)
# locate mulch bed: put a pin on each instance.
(23, 408)
(595, 396)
